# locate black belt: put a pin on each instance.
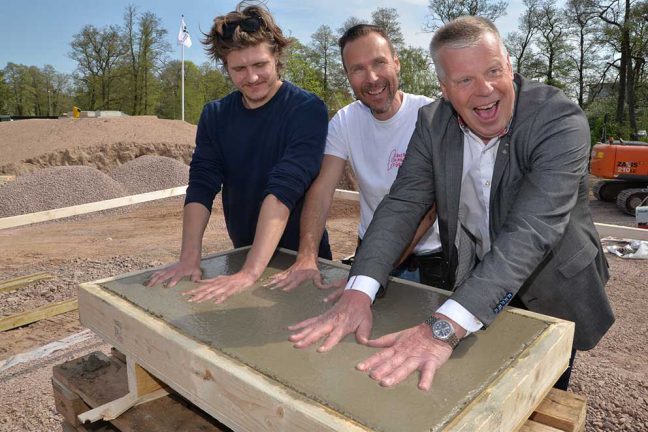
(414, 262)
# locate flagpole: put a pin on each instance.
(183, 82)
(183, 104)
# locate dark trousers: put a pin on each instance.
(563, 381)
(431, 267)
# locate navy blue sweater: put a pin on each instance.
(274, 149)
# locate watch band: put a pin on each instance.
(451, 339)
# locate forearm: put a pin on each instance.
(273, 218)
(317, 205)
(194, 221)
(426, 223)
(313, 222)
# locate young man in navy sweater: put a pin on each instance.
(262, 144)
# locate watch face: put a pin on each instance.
(442, 329)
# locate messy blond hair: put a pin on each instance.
(218, 46)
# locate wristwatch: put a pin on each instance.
(443, 331)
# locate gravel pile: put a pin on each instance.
(104, 143)
(151, 173)
(57, 187)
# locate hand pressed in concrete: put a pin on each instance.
(305, 270)
(172, 274)
(405, 352)
(351, 314)
(220, 288)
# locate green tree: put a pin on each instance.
(98, 53)
(20, 97)
(520, 42)
(416, 74)
(443, 11)
(581, 18)
(147, 48)
(214, 83)
(388, 19)
(348, 23)
(299, 69)
(169, 105)
(552, 43)
(324, 55)
(4, 94)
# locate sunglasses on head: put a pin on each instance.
(248, 25)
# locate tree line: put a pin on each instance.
(594, 50)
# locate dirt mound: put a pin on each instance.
(57, 187)
(150, 173)
(104, 143)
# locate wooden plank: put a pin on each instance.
(6, 179)
(113, 409)
(24, 318)
(514, 395)
(68, 403)
(607, 230)
(21, 281)
(98, 379)
(534, 426)
(93, 427)
(140, 382)
(223, 387)
(562, 410)
(47, 215)
(346, 195)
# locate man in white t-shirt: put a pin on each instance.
(372, 134)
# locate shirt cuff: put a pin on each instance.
(460, 315)
(365, 284)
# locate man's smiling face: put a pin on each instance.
(372, 71)
(478, 82)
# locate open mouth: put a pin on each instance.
(377, 91)
(487, 112)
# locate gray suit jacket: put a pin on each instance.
(544, 246)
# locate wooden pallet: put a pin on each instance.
(95, 379)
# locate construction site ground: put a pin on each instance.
(613, 376)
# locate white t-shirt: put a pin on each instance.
(375, 150)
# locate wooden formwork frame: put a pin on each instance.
(246, 400)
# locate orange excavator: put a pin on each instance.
(624, 166)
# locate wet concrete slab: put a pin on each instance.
(251, 327)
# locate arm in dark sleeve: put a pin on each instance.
(206, 168)
(400, 212)
(556, 150)
(292, 175)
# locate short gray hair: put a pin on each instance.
(463, 32)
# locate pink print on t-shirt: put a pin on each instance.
(395, 160)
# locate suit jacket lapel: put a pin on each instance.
(503, 154)
(453, 165)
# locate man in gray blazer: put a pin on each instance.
(505, 161)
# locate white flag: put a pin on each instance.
(183, 35)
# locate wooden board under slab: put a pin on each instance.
(234, 360)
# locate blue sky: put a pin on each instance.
(40, 31)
